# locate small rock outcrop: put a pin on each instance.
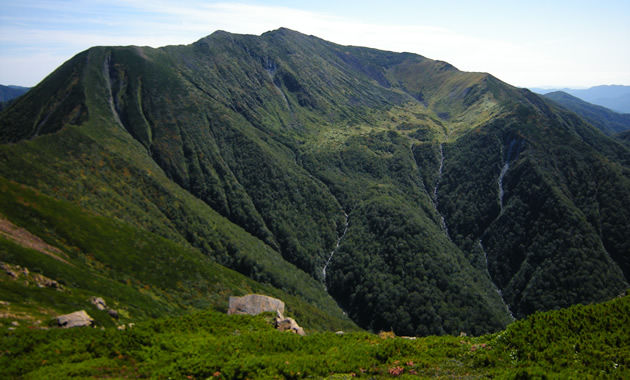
(288, 324)
(45, 282)
(77, 319)
(113, 313)
(254, 304)
(98, 302)
(16, 272)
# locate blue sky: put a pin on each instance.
(525, 43)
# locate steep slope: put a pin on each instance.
(607, 121)
(139, 273)
(624, 137)
(551, 224)
(427, 200)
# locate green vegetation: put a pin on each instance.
(579, 342)
(245, 152)
(140, 274)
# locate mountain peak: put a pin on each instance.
(283, 154)
(284, 31)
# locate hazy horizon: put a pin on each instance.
(535, 45)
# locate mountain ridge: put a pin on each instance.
(283, 134)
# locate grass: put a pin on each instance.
(579, 342)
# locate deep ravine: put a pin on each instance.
(485, 256)
(500, 193)
(339, 239)
(270, 68)
(504, 170)
(435, 193)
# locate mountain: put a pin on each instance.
(607, 121)
(8, 93)
(625, 137)
(423, 199)
(11, 92)
(614, 97)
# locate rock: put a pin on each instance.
(254, 304)
(9, 270)
(386, 335)
(288, 324)
(98, 302)
(76, 319)
(112, 313)
(40, 280)
(45, 282)
(339, 332)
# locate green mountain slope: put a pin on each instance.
(624, 137)
(607, 121)
(380, 175)
(138, 272)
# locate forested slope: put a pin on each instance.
(409, 190)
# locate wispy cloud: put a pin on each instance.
(58, 29)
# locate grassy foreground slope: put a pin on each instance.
(578, 342)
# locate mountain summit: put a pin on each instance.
(423, 199)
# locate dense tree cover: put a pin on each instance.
(250, 149)
(393, 262)
(394, 257)
(624, 137)
(557, 240)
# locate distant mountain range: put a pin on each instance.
(614, 97)
(8, 93)
(11, 92)
(606, 120)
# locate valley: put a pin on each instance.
(415, 197)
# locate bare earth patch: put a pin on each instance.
(28, 240)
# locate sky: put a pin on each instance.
(534, 43)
